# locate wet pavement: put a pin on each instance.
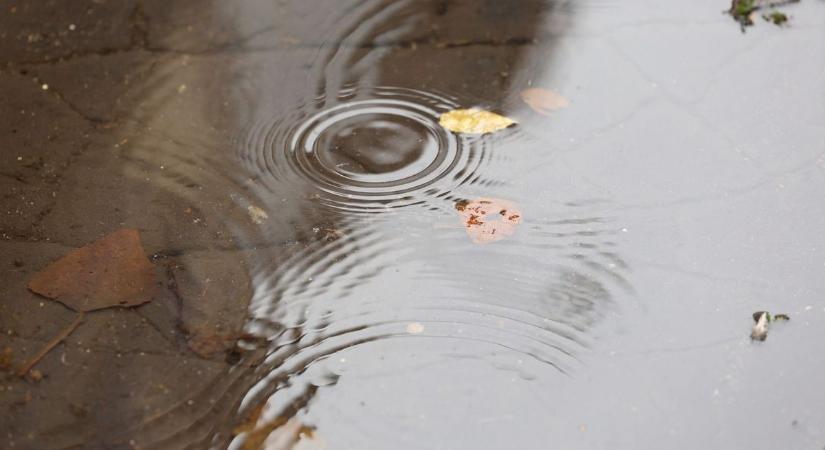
(308, 217)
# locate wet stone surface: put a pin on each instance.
(337, 270)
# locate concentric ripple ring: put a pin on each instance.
(386, 150)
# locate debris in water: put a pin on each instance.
(763, 319)
(544, 101)
(329, 234)
(28, 365)
(489, 219)
(743, 11)
(474, 121)
(6, 358)
(759, 332)
(257, 215)
(776, 17)
(251, 421)
(205, 344)
(213, 289)
(110, 272)
(35, 375)
(281, 433)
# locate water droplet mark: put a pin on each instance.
(373, 149)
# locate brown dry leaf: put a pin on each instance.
(112, 271)
(251, 420)
(489, 219)
(474, 121)
(544, 101)
(207, 345)
(278, 434)
(214, 289)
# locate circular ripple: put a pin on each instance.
(361, 154)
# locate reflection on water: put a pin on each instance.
(374, 321)
(376, 264)
(366, 292)
(372, 149)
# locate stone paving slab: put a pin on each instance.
(136, 129)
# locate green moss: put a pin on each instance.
(741, 11)
(743, 8)
(777, 17)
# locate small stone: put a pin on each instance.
(35, 375)
(760, 329)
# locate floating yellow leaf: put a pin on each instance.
(474, 121)
(257, 215)
(544, 101)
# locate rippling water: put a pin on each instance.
(379, 285)
(300, 142)
(368, 150)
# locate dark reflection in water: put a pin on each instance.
(372, 149)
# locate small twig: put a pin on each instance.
(50, 345)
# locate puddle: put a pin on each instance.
(365, 155)
(336, 271)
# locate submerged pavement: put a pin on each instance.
(283, 164)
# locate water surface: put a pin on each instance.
(678, 192)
